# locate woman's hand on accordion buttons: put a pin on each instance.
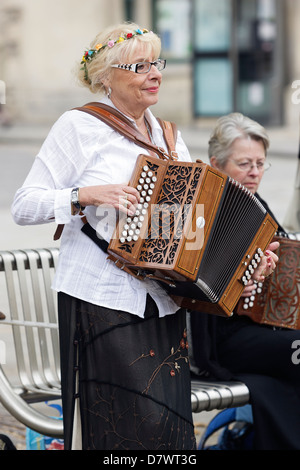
(267, 264)
(120, 196)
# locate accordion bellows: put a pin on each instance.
(196, 230)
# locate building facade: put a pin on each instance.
(221, 56)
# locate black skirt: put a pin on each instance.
(134, 378)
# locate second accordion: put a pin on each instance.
(276, 301)
(196, 231)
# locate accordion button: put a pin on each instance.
(145, 168)
(245, 306)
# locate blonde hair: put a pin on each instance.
(228, 129)
(99, 68)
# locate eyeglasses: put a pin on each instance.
(142, 67)
(247, 166)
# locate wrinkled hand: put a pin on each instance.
(265, 268)
(120, 196)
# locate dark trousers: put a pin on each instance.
(262, 358)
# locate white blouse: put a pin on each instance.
(79, 151)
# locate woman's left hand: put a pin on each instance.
(267, 264)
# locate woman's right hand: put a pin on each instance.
(120, 196)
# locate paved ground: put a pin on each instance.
(13, 429)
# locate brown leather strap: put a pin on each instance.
(60, 227)
(170, 135)
(58, 232)
(119, 122)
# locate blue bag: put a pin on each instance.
(237, 433)
(37, 441)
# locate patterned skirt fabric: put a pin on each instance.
(134, 377)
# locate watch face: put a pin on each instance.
(74, 197)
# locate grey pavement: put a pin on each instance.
(20, 143)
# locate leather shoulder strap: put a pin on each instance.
(170, 135)
(119, 122)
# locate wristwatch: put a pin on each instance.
(75, 204)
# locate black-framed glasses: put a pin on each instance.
(247, 166)
(142, 67)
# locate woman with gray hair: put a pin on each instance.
(236, 348)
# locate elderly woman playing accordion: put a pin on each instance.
(237, 347)
(124, 354)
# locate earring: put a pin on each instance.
(109, 92)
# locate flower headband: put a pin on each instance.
(91, 53)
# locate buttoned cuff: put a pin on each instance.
(62, 206)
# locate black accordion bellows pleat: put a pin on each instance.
(231, 235)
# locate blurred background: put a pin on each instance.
(222, 55)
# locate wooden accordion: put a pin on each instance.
(276, 301)
(196, 231)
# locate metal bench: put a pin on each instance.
(30, 330)
(30, 333)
